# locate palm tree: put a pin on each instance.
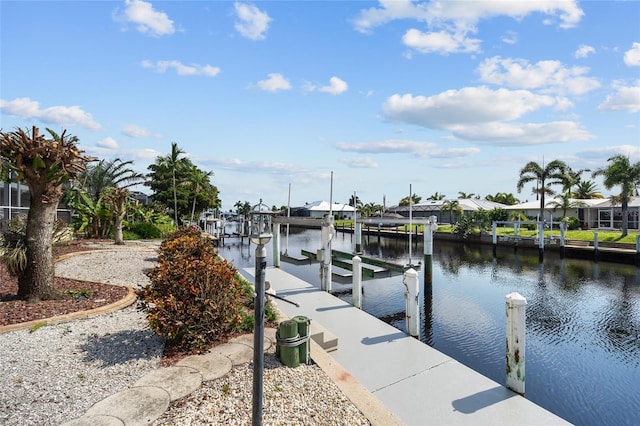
(415, 199)
(198, 183)
(45, 164)
(98, 180)
(544, 177)
(121, 178)
(621, 172)
(565, 202)
(462, 194)
(572, 178)
(437, 197)
(586, 190)
(452, 206)
(355, 201)
(503, 198)
(172, 162)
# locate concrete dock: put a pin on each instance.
(417, 383)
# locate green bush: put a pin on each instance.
(144, 230)
(195, 298)
(573, 223)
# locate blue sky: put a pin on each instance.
(440, 96)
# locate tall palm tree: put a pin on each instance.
(572, 177)
(544, 176)
(587, 190)
(172, 162)
(198, 183)
(621, 172)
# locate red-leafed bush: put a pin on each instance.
(195, 298)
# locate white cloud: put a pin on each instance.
(449, 22)
(388, 11)
(106, 151)
(274, 83)
(605, 152)
(510, 37)
(480, 114)
(546, 76)
(146, 19)
(336, 86)
(626, 98)
(584, 51)
(360, 163)
(440, 42)
(135, 131)
(252, 22)
(470, 105)
(60, 115)
(108, 143)
(414, 148)
(510, 134)
(632, 56)
(181, 69)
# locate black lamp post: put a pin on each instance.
(260, 235)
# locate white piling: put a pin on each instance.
(516, 326)
(358, 237)
(276, 245)
(412, 319)
(326, 235)
(357, 282)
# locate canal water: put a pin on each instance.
(583, 318)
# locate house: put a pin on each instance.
(15, 200)
(319, 209)
(435, 208)
(597, 213)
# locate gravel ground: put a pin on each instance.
(57, 372)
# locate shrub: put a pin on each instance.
(195, 298)
(573, 223)
(13, 243)
(144, 230)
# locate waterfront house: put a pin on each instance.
(438, 208)
(319, 209)
(596, 213)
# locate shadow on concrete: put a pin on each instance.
(388, 338)
(332, 308)
(123, 346)
(472, 403)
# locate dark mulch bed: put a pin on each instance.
(13, 311)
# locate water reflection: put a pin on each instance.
(583, 318)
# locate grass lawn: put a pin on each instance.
(603, 235)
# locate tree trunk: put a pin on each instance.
(625, 216)
(117, 220)
(37, 281)
(193, 208)
(175, 197)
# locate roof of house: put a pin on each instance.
(323, 206)
(550, 203)
(467, 204)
